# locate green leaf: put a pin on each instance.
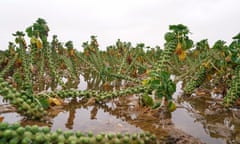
(154, 84)
(237, 36)
(154, 74)
(147, 100)
(29, 31)
(189, 44)
(171, 106)
(164, 75)
(44, 102)
(156, 105)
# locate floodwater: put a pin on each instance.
(200, 117)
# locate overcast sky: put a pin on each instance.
(129, 20)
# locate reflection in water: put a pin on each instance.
(200, 116)
(206, 118)
(94, 113)
(89, 118)
(71, 118)
(183, 120)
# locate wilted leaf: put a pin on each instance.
(55, 101)
(206, 64)
(39, 44)
(91, 101)
(228, 58)
(178, 50)
(106, 86)
(1, 118)
(182, 56)
(72, 53)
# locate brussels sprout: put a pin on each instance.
(119, 136)
(79, 134)
(27, 134)
(7, 133)
(26, 140)
(14, 140)
(40, 137)
(72, 139)
(53, 136)
(34, 129)
(20, 130)
(61, 139)
(84, 140)
(45, 129)
(3, 125)
(67, 134)
(25, 106)
(90, 134)
(59, 131)
(134, 136)
(126, 140)
(153, 137)
(110, 136)
(99, 138)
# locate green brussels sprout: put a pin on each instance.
(3, 125)
(14, 140)
(7, 134)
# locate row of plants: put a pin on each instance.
(15, 133)
(148, 70)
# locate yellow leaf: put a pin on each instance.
(178, 50)
(182, 56)
(72, 53)
(33, 40)
(18, 61)
(39, 44)
(171, 106)
(55, 101)
(206, 64)
(144, 82)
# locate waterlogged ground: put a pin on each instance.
(197, 119)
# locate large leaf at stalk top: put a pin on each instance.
(162, 83)
(237, 36)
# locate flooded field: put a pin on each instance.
(184, 93)
(198, 118)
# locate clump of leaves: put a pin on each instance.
(161, 86)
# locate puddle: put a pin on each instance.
(12, 117)
(84, 120)
(182, 120)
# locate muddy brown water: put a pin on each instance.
(198, 119)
